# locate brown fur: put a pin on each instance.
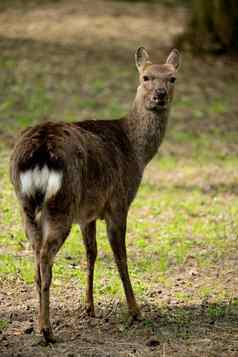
(102, 164)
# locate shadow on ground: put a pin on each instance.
(54, 66)
(166, 331)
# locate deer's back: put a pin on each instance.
(86, 166)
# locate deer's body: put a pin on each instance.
(93, 160)
(66, 173)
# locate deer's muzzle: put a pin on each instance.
(159, 98)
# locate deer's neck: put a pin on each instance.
(145, 130)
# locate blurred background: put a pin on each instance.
(73, 60)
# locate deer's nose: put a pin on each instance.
(161, 93)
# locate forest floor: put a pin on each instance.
(71, 60)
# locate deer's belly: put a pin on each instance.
(91, 207)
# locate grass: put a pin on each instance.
(167, 224)
(182, 227)
(3, 325)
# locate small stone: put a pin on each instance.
(152, 342)
(193, 272)
(29, 330)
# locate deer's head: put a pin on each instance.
(155, 91)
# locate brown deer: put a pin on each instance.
(65, 173)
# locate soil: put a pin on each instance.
(179, 329)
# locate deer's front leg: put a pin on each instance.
(89, 238)
(117, 235)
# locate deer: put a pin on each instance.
(65, 173)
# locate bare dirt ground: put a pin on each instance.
(162, 333)
(109, 31)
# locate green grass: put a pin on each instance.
(183, 225)
(3, 325)
(187, 205)
(166, 226)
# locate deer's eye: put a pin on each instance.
(172, 80)
(145, 78)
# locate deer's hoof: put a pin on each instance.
(90, 311)
(48, 335)
(135, 316)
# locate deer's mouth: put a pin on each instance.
(160, 102)
(157, 103)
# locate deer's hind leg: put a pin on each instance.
(34, 234)
(89, 238)
(55, 230)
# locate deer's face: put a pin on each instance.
(156, 80)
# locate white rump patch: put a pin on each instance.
(44, 180)
(54, 183)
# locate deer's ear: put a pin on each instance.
(141, 58)
(174, 58)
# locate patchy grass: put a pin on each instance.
(182, 227)
(169, 224)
